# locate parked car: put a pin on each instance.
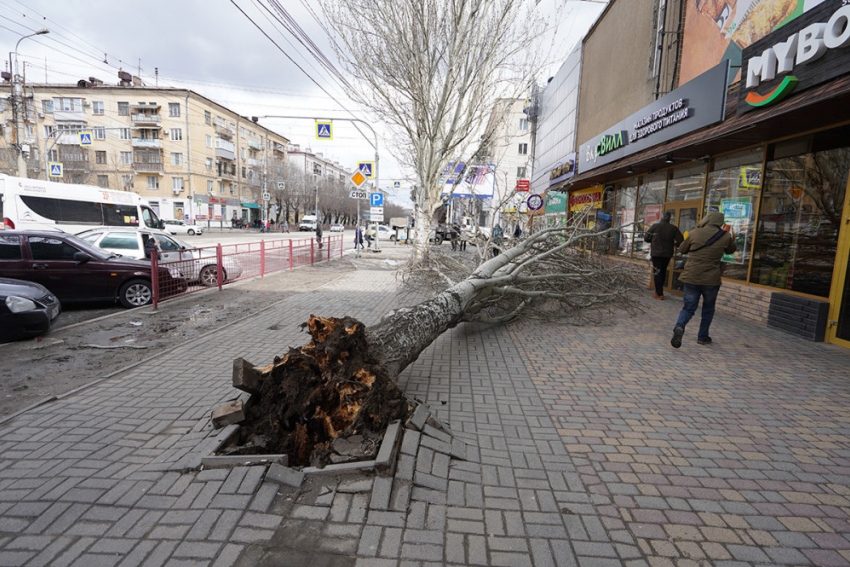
(384, 232)
(337, 228)
(182, 227)
(27, 309)
(74, 270)
(195, 264)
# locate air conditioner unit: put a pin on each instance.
(177, 191)
(41, 115)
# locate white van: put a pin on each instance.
(32, 204)
(308, 223)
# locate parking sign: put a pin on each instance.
(376, 199)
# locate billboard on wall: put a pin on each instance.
(721, 29)
(474, 181)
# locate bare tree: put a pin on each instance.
(433, 70)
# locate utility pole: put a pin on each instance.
(18, 102)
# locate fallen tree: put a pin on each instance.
(342, 382)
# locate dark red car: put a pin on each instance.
(74, 270)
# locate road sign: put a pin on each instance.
(55, 169)
(358, 195)
(376, 214)
(281, 185)
(85, 139)
(358, 178)
(396, 184)
(267, 196)
(366, 168)
(324, 130)
(522, 185)
(376, 199)
(534, 202)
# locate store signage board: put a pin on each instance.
(806, 52)
(696, 104)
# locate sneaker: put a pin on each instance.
(676, 341)
(656, 296)
(705, 341)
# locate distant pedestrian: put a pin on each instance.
(454, 234)
(358, 238)
(285, 225)
(517, 232)
(664, 237)
(705, 246)
(497, 240)
(319, 234)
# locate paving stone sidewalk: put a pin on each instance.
(597, 446)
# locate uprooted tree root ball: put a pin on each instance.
(330, 388)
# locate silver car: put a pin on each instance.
(196, 265)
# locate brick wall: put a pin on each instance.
(745, 302)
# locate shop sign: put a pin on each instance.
(563, 171)
(696, 104)
(523, 185)
(579, 201)
(556, 203)
(806, 52)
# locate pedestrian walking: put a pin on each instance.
(319, 234)
(497, 240)
(454, 234)
(517, 232)
(358, 238)
(663, 237)
(705, 246)
(285, 225)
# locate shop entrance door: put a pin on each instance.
(685, 216)
(838, 325)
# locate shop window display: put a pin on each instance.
(800, 213)
(650, 203)
(733, 189)
(686, 182)
(624, 218)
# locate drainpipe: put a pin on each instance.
(662, 21)
(188, 186)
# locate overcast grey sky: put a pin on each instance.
(210, 47)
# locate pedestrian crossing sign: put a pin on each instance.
(281, 185)
(85, 139)
(55, 169)
(396, 184)
(365, 168)
(324, 131)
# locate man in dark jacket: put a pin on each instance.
(319, 234)
(664, 237)
(705, 246)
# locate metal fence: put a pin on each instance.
(215, 266)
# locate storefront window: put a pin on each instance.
(686, 182)
(649, 204)
(733, 188)
(624, 217)
(800, 213)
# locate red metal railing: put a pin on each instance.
(197, 269)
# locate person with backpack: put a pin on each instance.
(664, 237)
(705, 246)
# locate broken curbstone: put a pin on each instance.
(419, 418)
(285, 475)
(384, 461)
(245, 376)
(228, 414)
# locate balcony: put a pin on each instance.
(255, 162)
(146, 119)
(255, 145)
(69, 115)
(254, 182)
(225, 150)
(147, 143)
(147, 167)
(223, 132)
(143, 105)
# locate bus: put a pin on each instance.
(32, 204)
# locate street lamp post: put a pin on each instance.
(18, 102)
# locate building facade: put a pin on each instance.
(759, 130)
(189, 156)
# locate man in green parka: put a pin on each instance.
(705, 246)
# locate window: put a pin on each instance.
(243, 153)
(120, 241)
(523, 149)
(232, 189)
(232, 127)
(686, 183)
(126, 158)
(242, 132)
(799, 218)
(221, 187)
(243, 172)
(30, 131)
(209, 164)
(177, 183)
(523, 124)
(176, 159)
(624, 214)
(53, 155)
(103, 181)
(127, 182)
(209, 141)
(123, 109)
(174, 109)
(47, 106)
(68, 104)
(48, 130)
(100, 157)
(520, 172)
(317, 169)
(124, 134)
(97, 107)
(209, 186)
(99, 133)
(176, 134)
(734, 181)
(10, 248)
(650, 201)
(207, 117)
(48, 248)
(153, 182)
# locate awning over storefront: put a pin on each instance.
(251, 205)
(819, 107)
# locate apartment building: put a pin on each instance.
(188, 155)
(310, 174)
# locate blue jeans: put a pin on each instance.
(691, 299)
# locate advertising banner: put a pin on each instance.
(471, 181)
(721, 29)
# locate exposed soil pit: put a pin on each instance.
(328, 402)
